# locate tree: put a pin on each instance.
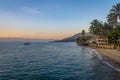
(112, 19)
(83, 32)
(96, 27)
(116, 11)
(83, 40)
(106, 29)
(114, 37)
(109, 30)
(114, 15)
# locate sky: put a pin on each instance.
(50, 19)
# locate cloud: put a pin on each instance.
(31, 10)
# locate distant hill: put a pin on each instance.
(73, 38)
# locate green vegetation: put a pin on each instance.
(96, 27)
(108, 30)
(114, 37)
(83, 32)
(83, 40)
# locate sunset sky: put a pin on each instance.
(50, 19)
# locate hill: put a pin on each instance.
(73, 38)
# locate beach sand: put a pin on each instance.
(110, 55)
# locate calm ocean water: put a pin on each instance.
(51, 61)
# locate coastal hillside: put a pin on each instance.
(73, 38)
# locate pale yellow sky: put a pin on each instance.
(14, 30)
(9, 33)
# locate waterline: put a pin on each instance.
(105, 62)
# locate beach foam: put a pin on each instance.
(99, 56)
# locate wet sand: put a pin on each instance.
(110, 55)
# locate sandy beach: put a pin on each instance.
(110, 55)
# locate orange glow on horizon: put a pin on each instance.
(47, 35)
(18, 32)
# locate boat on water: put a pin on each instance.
(27, 43)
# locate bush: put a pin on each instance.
(82, 40)
(114, 36)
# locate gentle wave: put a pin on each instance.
(105, 62)
(52, 61)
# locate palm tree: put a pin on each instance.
(114, 16)
(112, 19)
(99, 29)
(96, 27)
(83, 32)
(106, 30)
(116, 11)
(93, 26)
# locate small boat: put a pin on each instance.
(27, 43)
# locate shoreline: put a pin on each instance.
(110, 57)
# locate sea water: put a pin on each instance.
(52, 61)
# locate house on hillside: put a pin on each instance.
(100, 42)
